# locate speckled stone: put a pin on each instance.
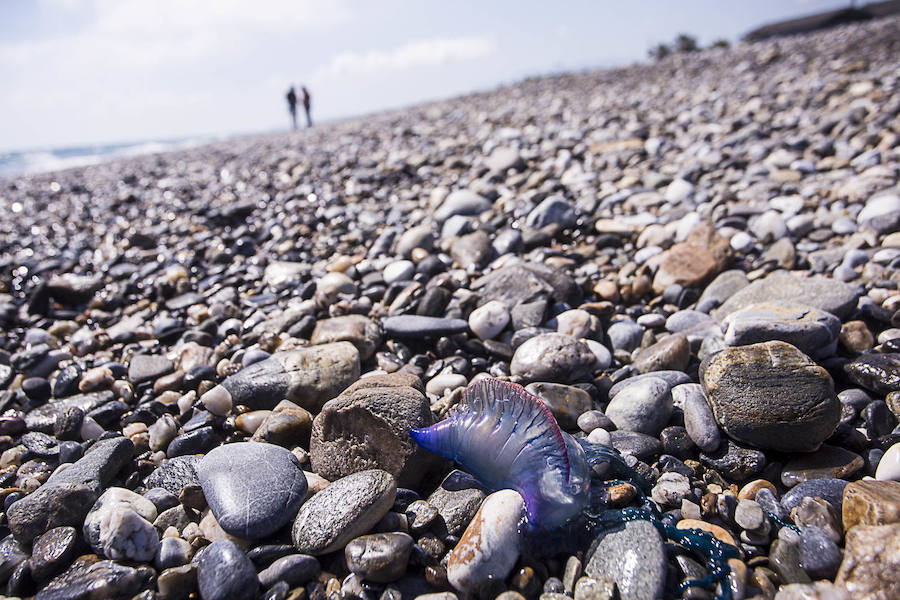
(632, 555)
(345, 509)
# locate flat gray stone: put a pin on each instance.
(819, 292)
(812, 331)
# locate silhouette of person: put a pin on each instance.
(305, 98)
(292, 106)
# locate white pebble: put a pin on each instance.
(217, 401)
(401, 270)
(488, 320)
(889, 466)
(742, 241)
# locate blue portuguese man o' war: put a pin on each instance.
(508, 439)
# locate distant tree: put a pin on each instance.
(721, 43)
(659, 51)
(685, 43)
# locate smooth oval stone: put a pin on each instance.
(633, 556)
(673, 378)
(819, 292)
(644, 406)
(252, 488)
(812, 331)
(293, 569)
(640, 445)
(172, 552)
(889, 465)
(225, 573)
(379, 557)
(488, 549)
(345, 509)
(820, 557)
(772, 396)
(52, 552)
(699, 422)
(411, 326)
(552, 357)
(489, 319)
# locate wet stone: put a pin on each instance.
(871, 562)
(252, 488)
(734, 461)
(877, 372)
(566, 402)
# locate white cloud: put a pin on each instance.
(142, 34)
(421, 53)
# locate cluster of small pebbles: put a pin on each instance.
(210, 359)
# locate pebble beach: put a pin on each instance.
(210, 359)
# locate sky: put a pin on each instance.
(81, 72)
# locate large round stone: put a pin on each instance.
(252, 488)
(771, 396)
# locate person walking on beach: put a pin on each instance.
(292, 106)
(305, 98)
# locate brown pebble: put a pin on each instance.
(621, 494)
(749, 491)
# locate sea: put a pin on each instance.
(54, 159)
